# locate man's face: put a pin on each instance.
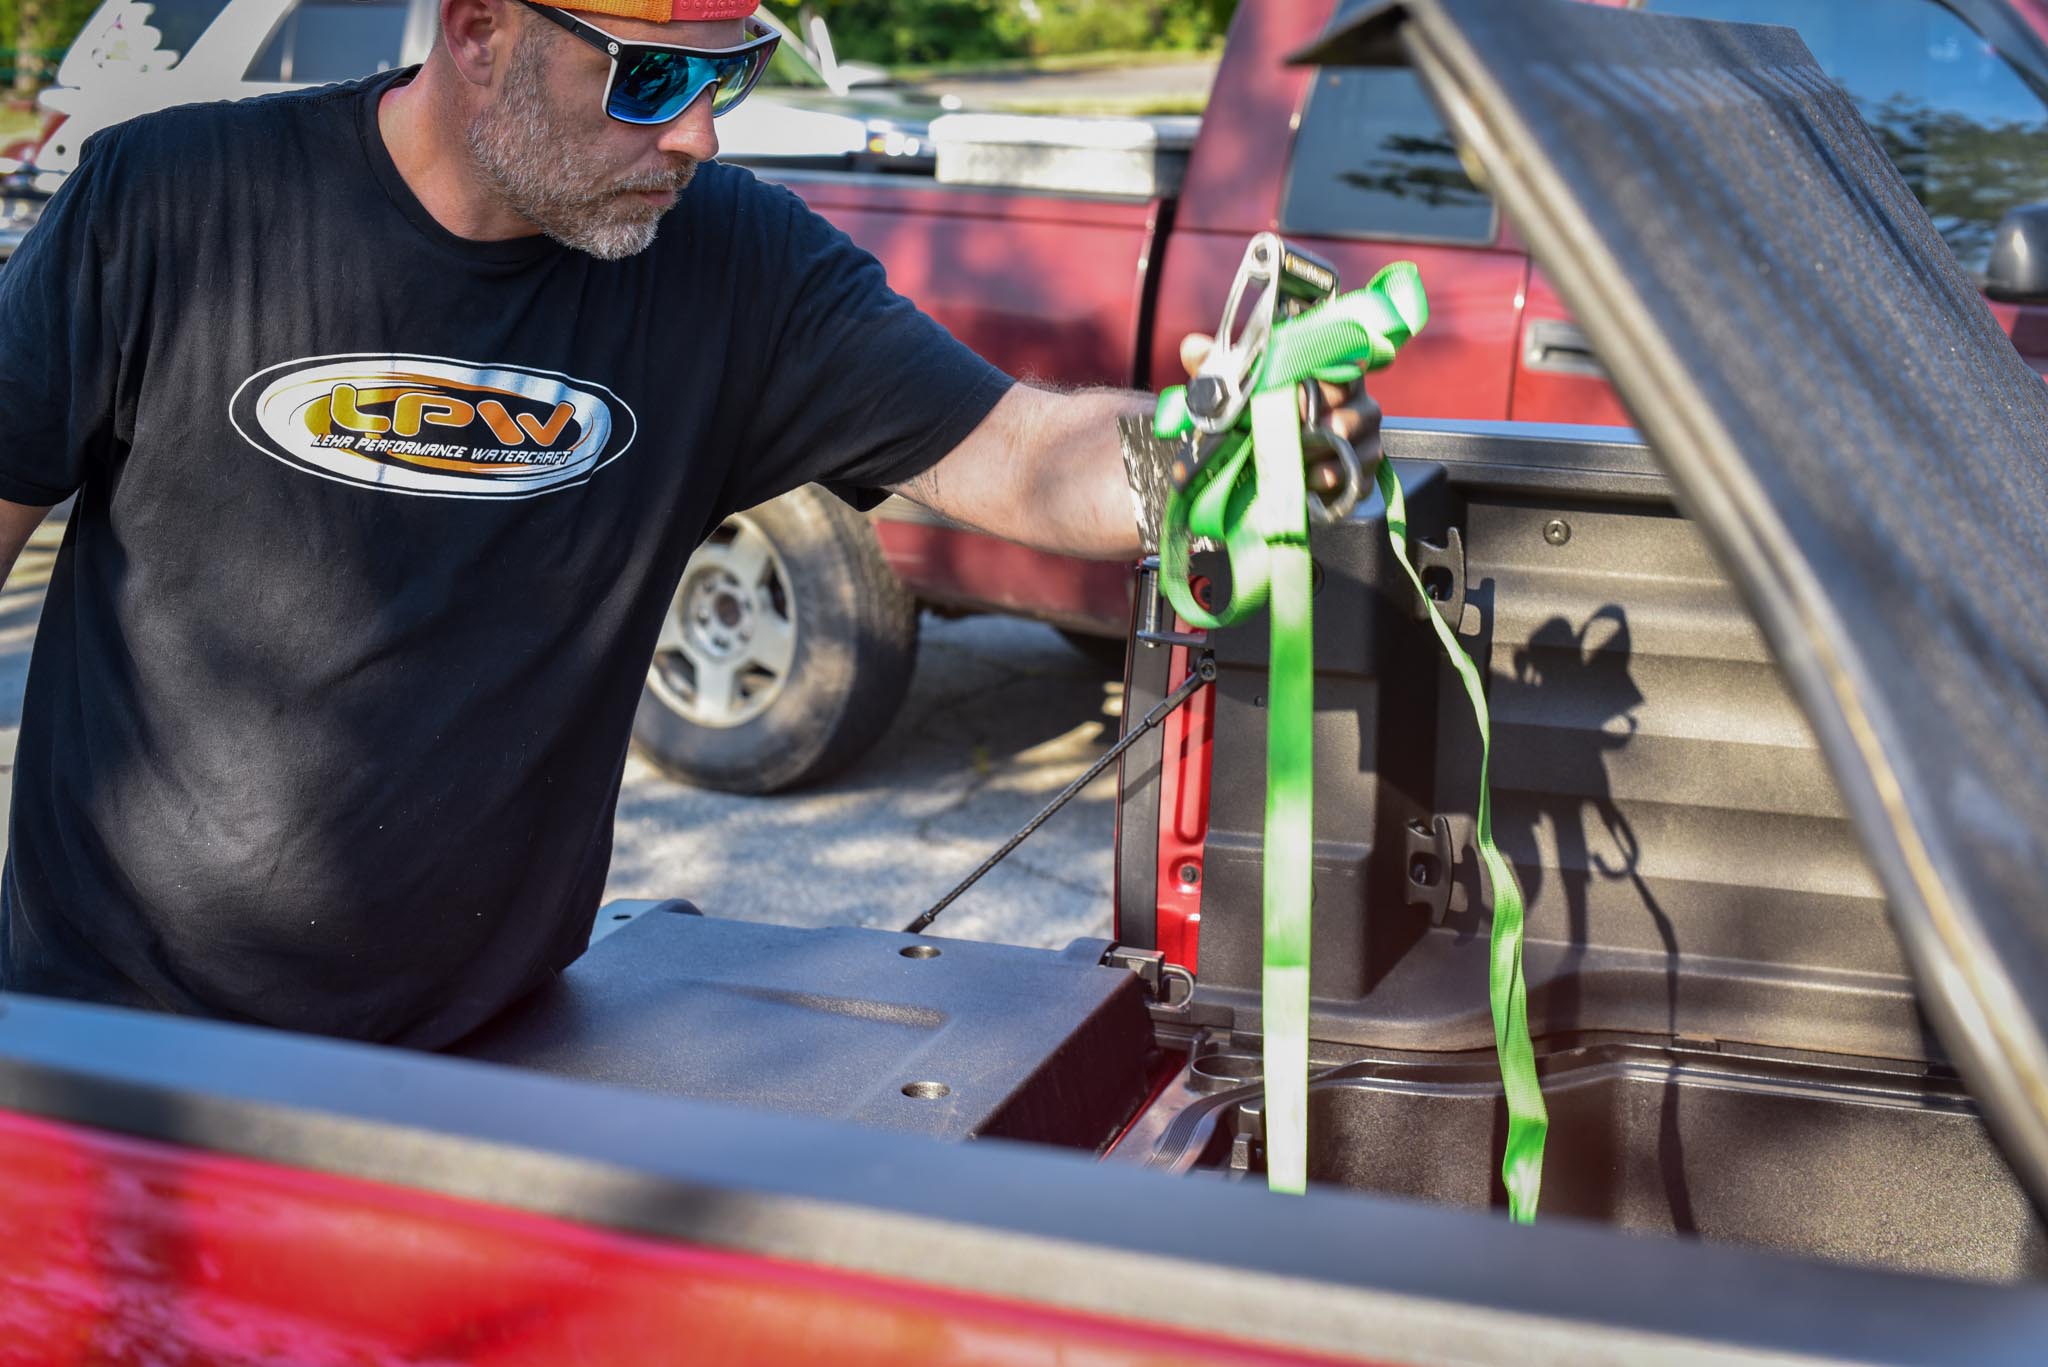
(546, 147)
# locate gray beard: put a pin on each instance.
(530, 161)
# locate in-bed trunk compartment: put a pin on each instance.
(1728, 1034)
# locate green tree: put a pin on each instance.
(32, 32)
(1056, 27)
(22, 28)
(890, 31)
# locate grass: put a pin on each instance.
(17, 123)
(1124, 107)
(913, 72)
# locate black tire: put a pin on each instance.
(854, 632)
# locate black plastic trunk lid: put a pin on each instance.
(1840, 412)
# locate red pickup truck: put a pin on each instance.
(1098, 290)
(1771, 725)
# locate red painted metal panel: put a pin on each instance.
(1457, 367)
(117, 1251)
(949, 566)
(2033, 14)
(2027, 325)
(911, 196)
(1240, 158)
(1046, 287)
(1555, 396)
(1183, 818)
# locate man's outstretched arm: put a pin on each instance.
(1046, 468)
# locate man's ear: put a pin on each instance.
(478, 35)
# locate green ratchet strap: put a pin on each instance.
(1251, 495)
(1528, 1121)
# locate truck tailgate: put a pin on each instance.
(195, 1191)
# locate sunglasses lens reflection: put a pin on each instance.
(734, 82)
(655, 86)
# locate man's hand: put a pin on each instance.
(1354, 415)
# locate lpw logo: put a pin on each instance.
(432, 426)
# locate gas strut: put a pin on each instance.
(1203, 674)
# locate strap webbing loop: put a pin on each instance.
(1251, 495)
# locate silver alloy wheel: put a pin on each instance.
(729, 639)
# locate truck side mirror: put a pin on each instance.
(2018, 271)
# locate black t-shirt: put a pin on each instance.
(376, 528)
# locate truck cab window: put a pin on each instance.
(332, 40)
(1373, 159)
(1969, 136)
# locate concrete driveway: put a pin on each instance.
(1002, 715)
(21, 604)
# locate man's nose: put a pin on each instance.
(692, 133)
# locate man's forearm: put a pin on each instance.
(1044, 469)
(1080, 490)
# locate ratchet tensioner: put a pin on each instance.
(1275, 282)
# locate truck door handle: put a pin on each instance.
(1558, 346)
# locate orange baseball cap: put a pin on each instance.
(663, 11)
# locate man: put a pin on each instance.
(394, 410)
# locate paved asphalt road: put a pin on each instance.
(1117, 87)
(1002, 715)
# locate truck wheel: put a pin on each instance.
(786, 652)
